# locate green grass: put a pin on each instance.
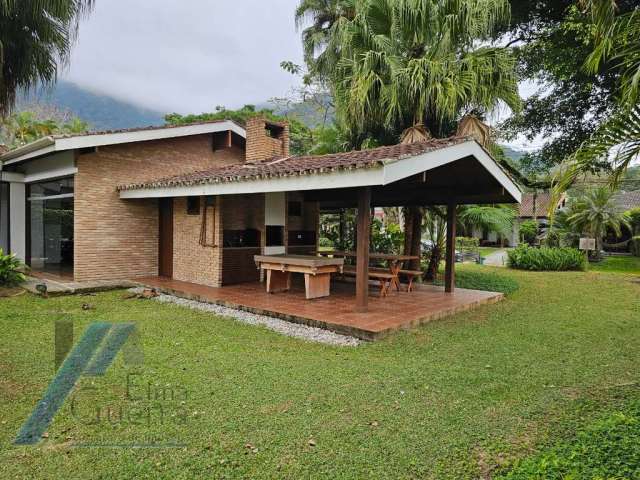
(456, 398)
(488, 280)
(621, 264)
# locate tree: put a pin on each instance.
(595, 212)
(23, 127)
(35, 37)
(616, 142)
(552, 41)
(300, 135)
(392, 64)
(496, 219)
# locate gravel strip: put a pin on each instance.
(289, 329)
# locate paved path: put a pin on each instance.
(496, 259)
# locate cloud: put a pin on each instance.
(187, 56)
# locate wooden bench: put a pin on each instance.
(381, 275)
(411, 275)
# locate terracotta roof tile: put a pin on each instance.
(277, 167)
(627, 200)
(542, 201)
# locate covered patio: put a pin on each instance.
(447, 172)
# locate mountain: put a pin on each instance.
(101, 111)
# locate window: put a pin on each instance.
(193, 205)
(50, 226)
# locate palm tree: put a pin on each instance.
(595, 212)
(392, 64)
(616, 143)
(496, 219)
(35, 37)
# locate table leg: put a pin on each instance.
(317, 286)
(394, 268)
(278, 281)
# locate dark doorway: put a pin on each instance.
(165, 247)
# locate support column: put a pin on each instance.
(450, 256)
(362, 250)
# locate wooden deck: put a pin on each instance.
(336, 312)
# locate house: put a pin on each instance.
(195, 203)
(534, 206)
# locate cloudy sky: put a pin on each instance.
(189, 55)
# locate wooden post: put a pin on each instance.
(450, 256)
(362, 250)
(342, 245)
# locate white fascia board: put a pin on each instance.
(98, 140)
(340, 179)
(12, 177)
(31, 154)
(406, 167)
(50, 144)
(49, 174)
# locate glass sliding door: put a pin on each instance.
(51, 226)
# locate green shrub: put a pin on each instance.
(604, 449)
(525, 257)
(487, 281)
(634, 246)
(529, 231)
(467, 244)
(324, 242)
(10, 274)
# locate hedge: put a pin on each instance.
(525, 257)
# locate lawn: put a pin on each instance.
(457, 398)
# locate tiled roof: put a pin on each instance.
(627, 200)
(280, 167)
(542, 201)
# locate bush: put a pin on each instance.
(324, 242)
(467, 244)
(606, 448)
(529, 231)
(634, 246)
(10, 274)
(525, 257)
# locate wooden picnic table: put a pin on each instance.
(394, 263)
(317, 272)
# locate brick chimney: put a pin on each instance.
(266, 139)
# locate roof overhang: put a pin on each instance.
(47, 145)
(384, 173)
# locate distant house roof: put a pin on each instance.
(627, 200)
(62, 142)
(539, 202)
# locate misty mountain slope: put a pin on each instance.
(101, 111)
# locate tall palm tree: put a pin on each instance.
(616, 143)
(35, 37)
(395, 63)
(595, 212)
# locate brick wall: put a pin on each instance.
(266, 139)
(193, 262)
(117, 238)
